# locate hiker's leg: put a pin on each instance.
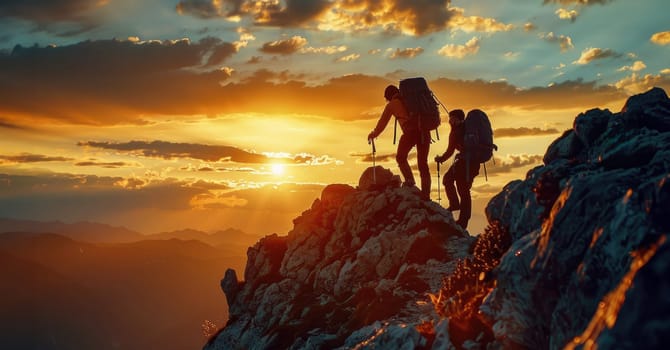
(422, 150)
(404, 146)
(464, 184)
(449, 188)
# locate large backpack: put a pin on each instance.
(420, 103)
(478, 140)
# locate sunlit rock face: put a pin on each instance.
(589, 228)
(356, 269)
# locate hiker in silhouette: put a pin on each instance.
(411, 136)
(458, 172)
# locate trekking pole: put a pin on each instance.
(439, 194)
(374, 165)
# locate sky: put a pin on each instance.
(162, 115)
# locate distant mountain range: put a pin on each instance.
(95, 286)
(102, 233)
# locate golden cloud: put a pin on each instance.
(460, 51)
(570, 15)
(661, 38)
(565, 42)
(409, 52)
(284, 46)
(593, 53)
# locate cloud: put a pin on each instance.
(13, 126)
(523, 131)
(661, 38)
(406, 53)
(170, 150)
(478, 24)
(327, 50)
(529, 27)
(31, 158)
(577, 2)
(130, 76)
(210, 8)
(593, 53)
(349, 58)
(49, 11)
(108, 165)
(209, 153)
(511, 162)
(460, 51)
(367, 157)
(284, 46)
(146, 81)
(635, 67)
(570, 15)
(565, 42)
(636, 84)
(493, 94)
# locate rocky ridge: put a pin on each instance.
(356, 268)
(586, 265)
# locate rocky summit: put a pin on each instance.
(356, 267)
(575, 255)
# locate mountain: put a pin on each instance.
(80, 231)
(574, 255)
(231, 238)
(58, 293)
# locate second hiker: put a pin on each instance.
(460, 172)
(411, 136)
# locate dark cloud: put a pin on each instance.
(108, 165)
(379, 158)
(254, 60)
(121, 82)
(284, 46)
(8, 125)
(288, 13)
(428, 15)
(31, 158)
(47, 10)
(577, 2)
(469, 94)
(170, 150)
(88, 197)
(112, 80)
(523, 131)
(210, 8)
(293, 14)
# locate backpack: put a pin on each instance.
(478, 139)
(420, 103)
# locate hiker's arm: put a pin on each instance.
(450, 149)
(383, 121)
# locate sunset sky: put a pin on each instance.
(161, 115)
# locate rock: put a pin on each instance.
(378, 177)
(600, 204)
(357, 259)
(230, 286)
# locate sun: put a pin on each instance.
(277, 169)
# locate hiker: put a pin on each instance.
(411, 136)
(458, 172)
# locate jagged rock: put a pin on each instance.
(605, 200)
(353, 267)
(378, 177)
